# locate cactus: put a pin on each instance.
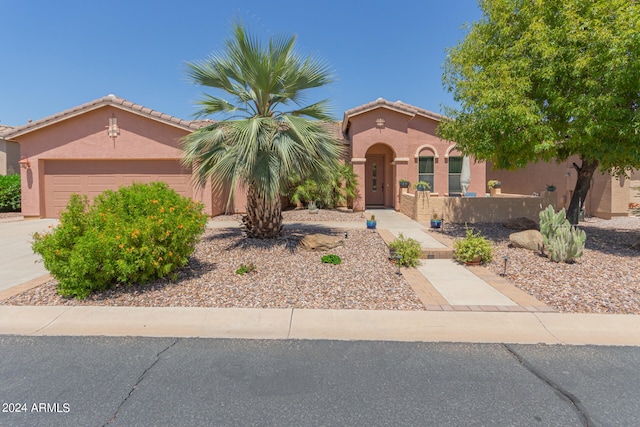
(564, 242)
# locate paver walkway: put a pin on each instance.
(448, 285)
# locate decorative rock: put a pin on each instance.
(520, 224)
(636, 245)
(528, 239)
(320, 242)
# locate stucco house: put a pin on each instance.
(110, 142)
(9, 154)
(389, 141)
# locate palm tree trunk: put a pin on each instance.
(585, 173)
(264, 217)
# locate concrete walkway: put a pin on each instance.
(464, 304)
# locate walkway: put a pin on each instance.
(447, 285)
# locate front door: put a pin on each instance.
(374, 185)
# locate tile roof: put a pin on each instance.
(109, 100)
(398, 106)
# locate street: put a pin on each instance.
(127, 381)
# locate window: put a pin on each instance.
(455, 168)
(425, 170)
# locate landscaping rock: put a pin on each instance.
(520, 224)
(320, 242)
(636, 245)
(528, 239)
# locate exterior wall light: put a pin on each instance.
(113, 130)
(25, 163)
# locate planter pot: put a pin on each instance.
(477, 260)
(421, 187)
(371, 224)
(495, 191)
(436, 223)
(404, 184)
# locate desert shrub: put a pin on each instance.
(337, 189)
(563, 242)
(473, 247)
(331, 259)
(131, 236)
(246, 268)
(10, 193)
(408, 250)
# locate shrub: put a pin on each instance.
(564, 242)
(472, 247)
(10, 193)
(408, 250)
(246, 268)
(134, 235)
(331, 259)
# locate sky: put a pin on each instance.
(64, 53)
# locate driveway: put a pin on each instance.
(17, 260)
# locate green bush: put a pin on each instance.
(246, 268)
(408, 250)
(134, 235)
(331, 259)
(472, 247)
(10, 193)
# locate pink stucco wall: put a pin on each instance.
(404, 138)
(607, 197)
(85, 137)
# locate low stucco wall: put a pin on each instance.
(474, 209)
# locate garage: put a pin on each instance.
(62, 178)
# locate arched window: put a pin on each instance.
(426, 167)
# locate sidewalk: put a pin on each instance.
(464, 304)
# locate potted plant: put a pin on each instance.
(494, 186)
(371, 223)
(436, 221)
(551, 187)
(473, 249)
(422, 186)
(494, 183)
(404, 183)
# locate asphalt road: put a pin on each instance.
(96, 381)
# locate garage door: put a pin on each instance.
(91, 177)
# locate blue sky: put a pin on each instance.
(60, 54)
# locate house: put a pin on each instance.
(100, 145)
(110, 142)
(390, 141)
(9, 154)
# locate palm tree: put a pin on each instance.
(257, 145)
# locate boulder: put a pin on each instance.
(520, 224)
(320, 242)
(528, 239)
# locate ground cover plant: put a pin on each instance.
(10, 193)
(132, 236)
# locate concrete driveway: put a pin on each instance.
(17, 260)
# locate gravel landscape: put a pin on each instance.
(605, 280)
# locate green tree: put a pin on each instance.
(267, 134)
(548, 79)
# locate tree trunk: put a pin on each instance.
(264, 217)
(585, 173)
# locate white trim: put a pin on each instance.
(358, 160)
(401, 160)
(452, 147)
(429, 146)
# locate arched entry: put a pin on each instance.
(379, 176)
